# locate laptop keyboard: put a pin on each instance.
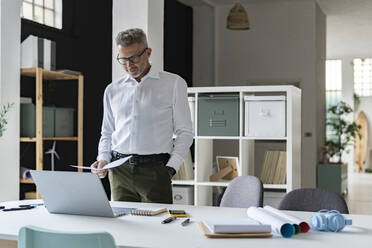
(121, 211)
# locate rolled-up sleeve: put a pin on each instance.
(108, 127)
(182, 125)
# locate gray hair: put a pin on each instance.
(131, 36)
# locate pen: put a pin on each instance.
(15, 209)
(167, 220)
(31, 205)
(2, 207)
(184, 223)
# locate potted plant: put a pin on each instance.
(3, 121)
(333, 175)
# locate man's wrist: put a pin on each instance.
(171, 170)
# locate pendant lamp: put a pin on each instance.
(237, 18)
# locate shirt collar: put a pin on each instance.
(151, 74)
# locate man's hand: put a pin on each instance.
(98, 165)
(171, 171)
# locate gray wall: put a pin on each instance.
(203, 45)
(286, 43)
(320, 34)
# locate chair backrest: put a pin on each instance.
(35, 237)
(313, 200)
(243, 192)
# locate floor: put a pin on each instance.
(359, 198)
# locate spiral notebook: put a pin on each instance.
(148, 212)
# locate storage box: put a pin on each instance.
(38, 52)
(183, 195)
(28, 120)
(218, 116)
(265, 116)
(64, 126)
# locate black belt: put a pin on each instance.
(140, 159)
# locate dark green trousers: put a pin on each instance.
(147, 182)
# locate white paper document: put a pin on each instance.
(237, 226)
(107, 166)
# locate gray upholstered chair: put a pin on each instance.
(243, 192)
(313, 200)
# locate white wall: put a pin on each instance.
(10, 33)
(145, 14)
(286, 43)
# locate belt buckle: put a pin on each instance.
(132, 161)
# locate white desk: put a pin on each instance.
(138, 231)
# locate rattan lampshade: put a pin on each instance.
(238, 18)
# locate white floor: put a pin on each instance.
(359, 198)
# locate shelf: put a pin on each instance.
(275, 186)
(183, 182)
(249, 150)
(48, 75)
(245, 89)
(240, 137)
(32, 139)
(27, 139)
(224, 184)
(61, 138)
(218, 137)
(264, 138)
(40, 77)
(29, 181)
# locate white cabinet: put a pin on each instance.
(289, 138)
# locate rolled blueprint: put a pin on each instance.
(303, 225)
(278, 224)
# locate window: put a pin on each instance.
(333, 89)
(363, 77)
(47, 12)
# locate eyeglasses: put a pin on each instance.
(134, 59)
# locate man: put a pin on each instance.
(142, 112)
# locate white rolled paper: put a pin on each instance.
(278, 224)
(304, 226)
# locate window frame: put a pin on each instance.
(334, 92)
(359, 86)
(44, 8)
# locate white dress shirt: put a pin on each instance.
(141, 118)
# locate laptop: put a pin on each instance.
(76, 193)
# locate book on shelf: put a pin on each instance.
(274, 167)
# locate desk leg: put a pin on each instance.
(8, 243)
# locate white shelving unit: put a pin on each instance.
(204, 144)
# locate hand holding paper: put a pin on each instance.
(108, 166)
